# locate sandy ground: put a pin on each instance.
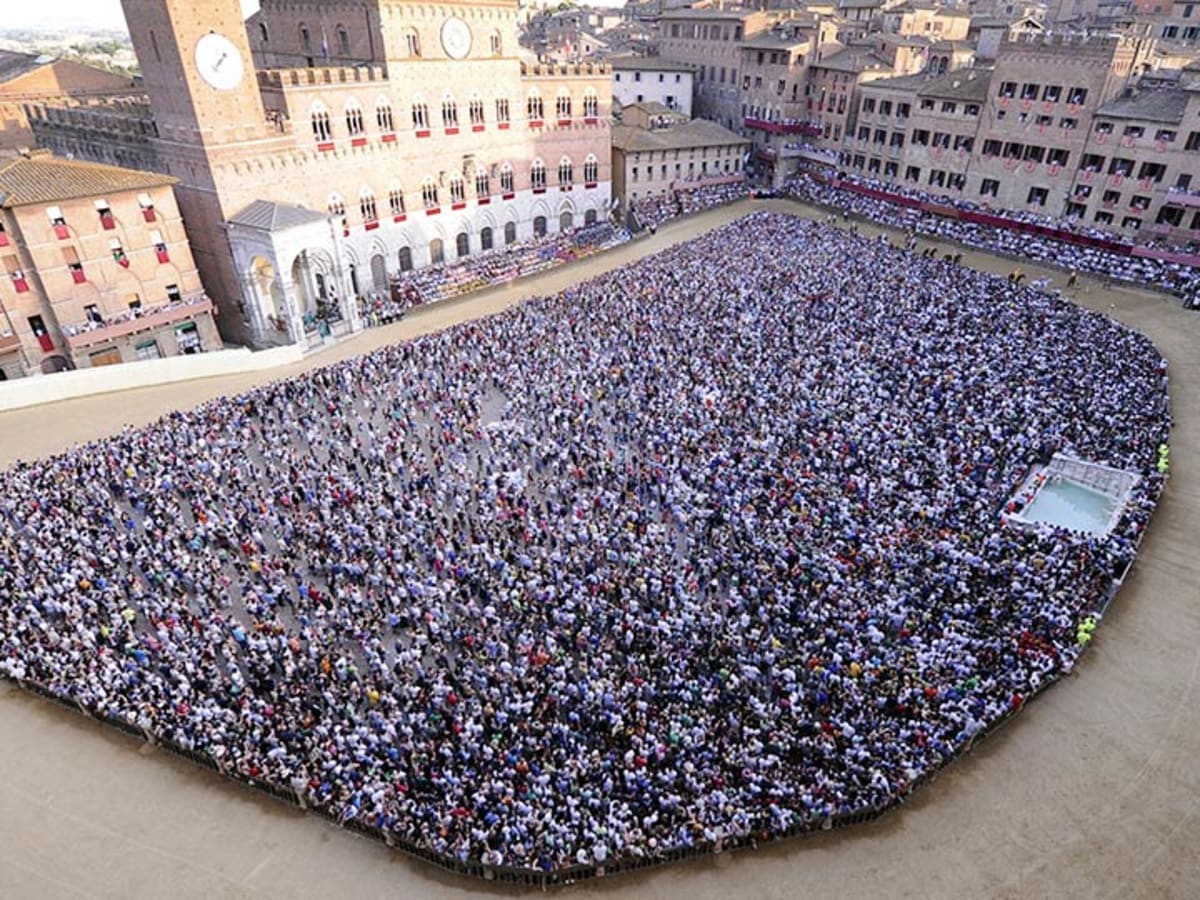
(1093, 791)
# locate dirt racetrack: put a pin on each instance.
(1092, 792)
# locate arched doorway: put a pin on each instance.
(406, 262)
(267, 289)
(437, 251)
(462, 244)
(539, 226)
(379, 275)
(566, 221)
(485, 239)
(510, 232)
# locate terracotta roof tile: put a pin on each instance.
(42, 178)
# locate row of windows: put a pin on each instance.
(1124, 166)
(1049, 93)
(926, 104)
(1013, 150)
(700, 32)
(727, 167)
(322, 125)
(1134, 132)
(662, 154)
(457, 188)
(412, 41)
(1173, 216)
(107, 220)
(637, 76)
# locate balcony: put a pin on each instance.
(9, 343)
(1183, 197)
(786, 127)
(87, 334)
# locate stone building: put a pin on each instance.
(97, 268)
(1043, 94)
(919, 130)
(414, 130)
(26, 79)
(656, 151)
(710, 39)
(652, 79)
(1141, 168)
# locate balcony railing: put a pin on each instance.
(88, 333)
(804, 128)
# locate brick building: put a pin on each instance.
(414, 132)
(656, 150)
(96, 268)
(25, 79)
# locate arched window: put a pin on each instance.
(566, 221)
(458, 190)
(263, 34)
(437, 251)
(589, 217)
(462, 244)
(506, 178)
(539, 226)
(429, 193)
(406, 262)
(449, 112)
(566, 172)
(483, 184)
(510, 232)
(420, 116)
(591, 104)
(534, 109)
(497, 48)
(366, 205)
(562, 107)
(354, 119)
(413, 42)
(502, 112)
(591, 169)
(383, 116)
(396, 201)
(537, 175)
(485, 239)
(322, 129)
(476, 110)
(343, 41)
(305, 39)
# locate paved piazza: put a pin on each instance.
(1091, 792)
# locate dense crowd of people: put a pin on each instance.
(704, 547)
(503, 263)
(656, 209)
(1166, 275)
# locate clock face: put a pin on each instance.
(456, 38)
(219, 62)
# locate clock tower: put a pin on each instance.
(196, 67)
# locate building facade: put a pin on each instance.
(415, 131)
(27, 79)
(656, 151)
(97, 268)
(711, 40)
(652, 79)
